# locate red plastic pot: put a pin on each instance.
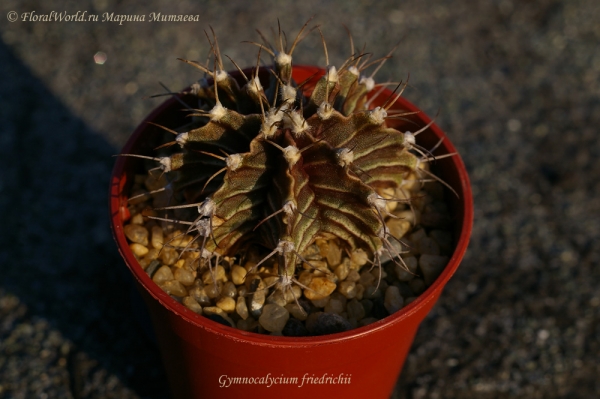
(205, 359)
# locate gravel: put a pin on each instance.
(517, 86)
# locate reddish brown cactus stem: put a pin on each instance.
(281, 170)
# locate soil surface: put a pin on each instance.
(516, 84)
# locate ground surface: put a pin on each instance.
(517, 83)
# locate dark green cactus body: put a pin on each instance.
(279, 169)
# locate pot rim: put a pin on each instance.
(430, 294)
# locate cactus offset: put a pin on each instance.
(277, 169)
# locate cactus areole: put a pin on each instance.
(277, 165)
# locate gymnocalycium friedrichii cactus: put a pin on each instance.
(274, 168)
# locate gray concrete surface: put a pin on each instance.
(518, 86)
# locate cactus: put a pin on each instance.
(275, 169)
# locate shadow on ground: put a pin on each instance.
(59, 263)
